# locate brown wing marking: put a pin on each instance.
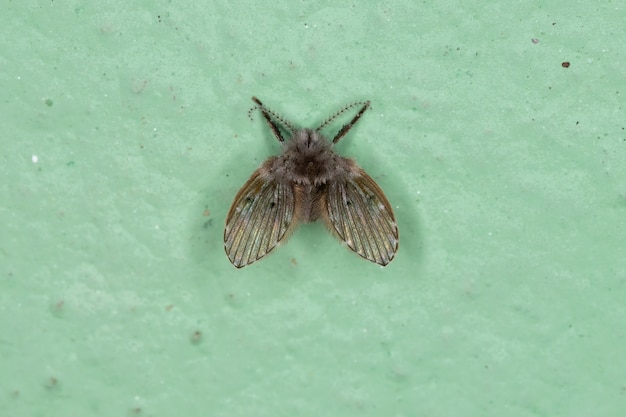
(361, 216)
(260, 218)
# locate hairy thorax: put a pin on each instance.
(308, 160)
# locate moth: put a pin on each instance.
(306, 183)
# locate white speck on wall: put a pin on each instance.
(35, 159)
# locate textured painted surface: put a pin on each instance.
(124, 137)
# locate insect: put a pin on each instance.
(306, 183)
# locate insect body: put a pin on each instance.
(306, 183)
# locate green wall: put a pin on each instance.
(125, 136)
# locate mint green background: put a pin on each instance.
(507, 173)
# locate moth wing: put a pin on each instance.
(360, 215)
(262, 215)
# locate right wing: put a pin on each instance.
(360, 215)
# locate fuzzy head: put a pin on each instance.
(308, 159)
